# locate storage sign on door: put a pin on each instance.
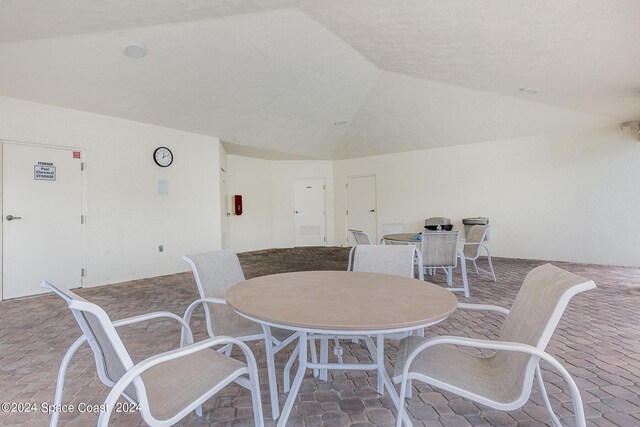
(44, 171)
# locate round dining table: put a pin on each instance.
(318, 304)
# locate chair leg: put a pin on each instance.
(465, 281)
(401, 409)
(255, 400)
(475, 265)
(493, 274)
(545, 397)
(449, 271)
(57, 399)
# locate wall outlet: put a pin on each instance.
(161, 248)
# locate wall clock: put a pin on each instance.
(163, 157)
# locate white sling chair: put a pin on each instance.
(473, 245)
(166, 387)
(398, 260)
(440, 250)
(504, 379)
(360, 238)
(215, 272)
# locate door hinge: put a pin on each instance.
(325, 239)
(347, 212)
(82, 272)
(346, 186)
(82, 166)
(81, 219)
(324, 187)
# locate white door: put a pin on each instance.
(224, 209)
(309, 212)
(361, 206)
(41, 219)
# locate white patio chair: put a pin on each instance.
(504, 379)
(214, 273)
(392, 228)
(440, 250)
(165, 387)
(474, 243)
(360, 238)
(398, 260)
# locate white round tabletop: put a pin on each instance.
(401, 237)
(341, 301)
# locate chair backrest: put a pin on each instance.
(215, 272)
(360, 237)
(534, 316)
(393, 228)
(387, 259)
(111, 356)
(440, 248)
(437, 220)
(477, 235)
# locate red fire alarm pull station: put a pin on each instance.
(237, 204)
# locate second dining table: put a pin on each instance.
(318, 304)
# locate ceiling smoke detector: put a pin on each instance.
(340, 122)
(135, 51)
(530, 90)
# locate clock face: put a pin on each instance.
(163, 156)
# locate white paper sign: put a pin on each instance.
(163, 187)
(44, 171)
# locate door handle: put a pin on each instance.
(11, 217)
(296, 211)
(372, 210)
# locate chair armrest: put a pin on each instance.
(137, 370)
(487, 307)
(503, 346)
(203, 301)
(189, 312)
(157, 315)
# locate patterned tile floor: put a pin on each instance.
(598, 341)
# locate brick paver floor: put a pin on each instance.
(598, 341)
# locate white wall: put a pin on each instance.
(126, 219)
(266, 187)
(570, 197)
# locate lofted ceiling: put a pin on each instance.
(275, 78)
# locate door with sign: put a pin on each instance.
(41, 218)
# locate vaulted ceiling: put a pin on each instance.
(272, 78)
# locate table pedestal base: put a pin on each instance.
(377, 353)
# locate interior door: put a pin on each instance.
(41, 218)
(361, 206)
(309, 212)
